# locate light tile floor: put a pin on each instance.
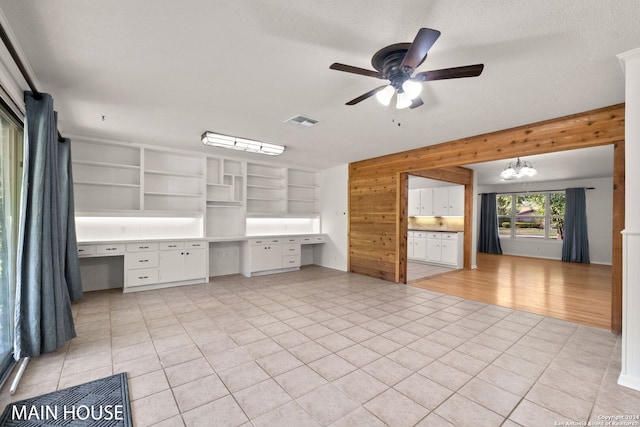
(418, 270)
(323, 347)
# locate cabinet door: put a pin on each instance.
(440, 201)
(410, 247)
(456, 200)
(274, 257)
(195, 264)
(420, 248)
(426, 202)
(413, 207)
(434, 251)
(450, 252)
(171, 266)
(259, 258)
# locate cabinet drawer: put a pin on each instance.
(318, 239)
(137, 260)
(434, 236)
(289, 261)
(142, 246)
(143, 276)
(291, 240)
(194, 245)
(421, 234)
(259, 242)
(114, 249)
(449, 236)
(86, 250)
(290, 249)
(167, 246)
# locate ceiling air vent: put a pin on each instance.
(301, 121)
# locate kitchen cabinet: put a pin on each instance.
(445, 248)
(420, 202)
(417, 245)
(448, 201)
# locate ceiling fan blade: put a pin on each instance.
(416, 102)
(418, 50)
(355, 70)
(364, 96)
(450, 73)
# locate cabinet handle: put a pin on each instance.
(143, 260)
(80, 250)
(186, 253)
(143, 277)
(173, 246)
(143, 247)
(181, 253)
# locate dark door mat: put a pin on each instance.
(99, 403)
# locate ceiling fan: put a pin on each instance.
(397, 63)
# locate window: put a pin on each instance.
(531, 215)
(10, 182)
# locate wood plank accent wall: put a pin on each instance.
(378, 187)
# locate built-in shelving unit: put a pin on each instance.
(266, 190)
(106, 177)
(128, 180)
(302, 192)
(225, 197)
(173, 182)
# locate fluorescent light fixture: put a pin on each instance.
(241, 144)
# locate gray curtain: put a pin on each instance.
(48, 265)
(575, 245)
(488, 236)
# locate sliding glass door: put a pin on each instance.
(10, 179)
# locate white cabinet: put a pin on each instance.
(434, 249)
(420, 202)
(449, 247)
(182, 261)
(445, 248)
(274, 255)
(456, 200)
(413, 205)
(417, 245)
(410, 245)
(266, 254)
(448, 201)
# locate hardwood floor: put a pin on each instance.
(579, 293)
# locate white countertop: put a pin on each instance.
(190, 239)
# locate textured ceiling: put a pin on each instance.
(162, 71)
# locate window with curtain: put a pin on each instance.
(11, 138)
(531, 215)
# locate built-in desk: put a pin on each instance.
(160, 263)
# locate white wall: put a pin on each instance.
(599, 220)
(334, 202)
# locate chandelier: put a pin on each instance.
(518, 170)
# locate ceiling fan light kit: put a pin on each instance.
(241, 144)
(397, 63)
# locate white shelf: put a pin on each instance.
(265, 187)
(156, 193)
(255, 175)
(303, 200)
(303, 186)
(106, 184)
(219, 185)
(105, 164)
(166, 173)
